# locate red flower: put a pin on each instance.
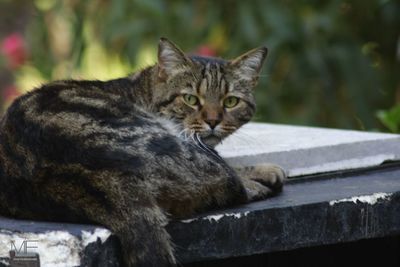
(13, 48)
(10, 93)
(205, 50)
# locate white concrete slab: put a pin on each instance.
(308, 150)
(57, 244)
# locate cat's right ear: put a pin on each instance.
(171, 60)
(248, 66)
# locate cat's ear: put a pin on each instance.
(171, 60)
(248, 66)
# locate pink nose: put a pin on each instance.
(212, 122)
(212, 117)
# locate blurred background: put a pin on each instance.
(331, 63)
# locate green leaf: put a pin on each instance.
(390, 118)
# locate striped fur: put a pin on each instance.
(128, 152)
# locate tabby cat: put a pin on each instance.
(134, 152)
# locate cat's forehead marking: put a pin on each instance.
(219, 73)
(223, 86)
(231, 87)
(208, 74)
(213, 84)
(203, 86)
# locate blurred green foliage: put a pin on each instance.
(331, 63)
(391, 118)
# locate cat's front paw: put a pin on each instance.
(262, 181)
(269, 175)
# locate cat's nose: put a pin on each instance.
(212, 122)
(212, 117)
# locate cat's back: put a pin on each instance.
(68, 122)
(69, 132)
(79, 97)
(69, 104)
(58, 120)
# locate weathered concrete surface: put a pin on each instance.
(329, 210)
(58, 244)
(308, 150)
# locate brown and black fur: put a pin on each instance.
(129, 153)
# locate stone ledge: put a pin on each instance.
(328, 210)
(59, 244)
(308, 150)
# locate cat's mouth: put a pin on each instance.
(211, 139)
(204, 137)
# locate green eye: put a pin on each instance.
(191, 100)
(231, 101)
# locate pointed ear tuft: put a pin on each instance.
(171, 60)
(248, 65)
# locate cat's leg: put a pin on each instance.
(262, 180)
(119, 202)
(208, 182)
(191, 186)
(143, 238)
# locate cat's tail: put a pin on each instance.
(144, 240)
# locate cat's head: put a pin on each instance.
(210, 97)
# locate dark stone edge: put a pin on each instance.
(282, 229)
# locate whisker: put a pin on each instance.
(246, 138)
(191, 136)
(201, 144)
(184, 134)
(181, 132)
(196, 129)
(207, 148)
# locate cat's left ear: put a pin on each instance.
(171, 60)
(248, 66)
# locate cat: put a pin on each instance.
(132, 153)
